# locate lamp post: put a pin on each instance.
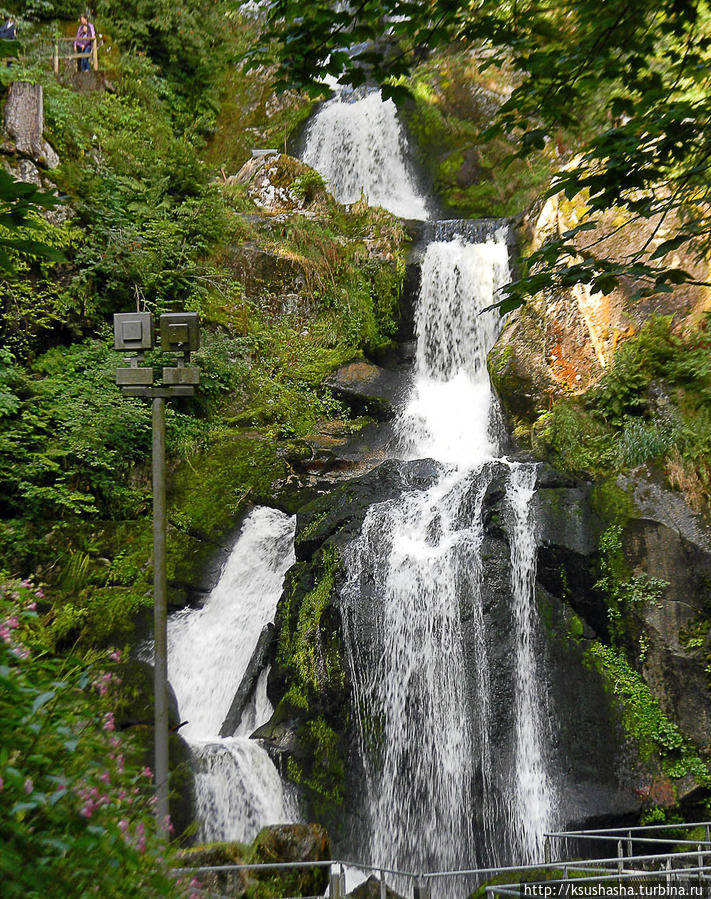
(179, 333)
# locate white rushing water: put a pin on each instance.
(357, 144)
(238, 789)
(418, 640)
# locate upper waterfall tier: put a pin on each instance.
(357, 143)
(449, 414)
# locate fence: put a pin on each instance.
(64, 49)
(682, 856)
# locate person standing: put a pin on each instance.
(7, 30)
(83, 43)
(8, 33)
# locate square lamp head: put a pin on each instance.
(179, 332)
(133, 331)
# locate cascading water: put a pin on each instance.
(238, 789)
(414, 611)
(357, 144)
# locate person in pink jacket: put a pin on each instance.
(86, 35)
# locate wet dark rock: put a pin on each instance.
(261, 657)
(135, 699)
(370, 889)
(369, 389)
(338, 516)
(675, 673)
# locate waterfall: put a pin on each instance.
(238, 789)
(418, 642)
(532, 787)
(357, 144)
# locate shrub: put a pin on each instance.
(76, 813)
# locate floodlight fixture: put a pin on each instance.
(179, 332)
(133, 331)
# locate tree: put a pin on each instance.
(19, 204)
(629, 78)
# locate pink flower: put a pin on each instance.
(115, 656)
(105, 777)
(123, 825)
(32, 606)
(2, 784)
(109, 721)
(39, 593)
(87, 810)
(29, 786)
(147, 772)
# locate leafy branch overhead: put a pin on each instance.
(622, 84)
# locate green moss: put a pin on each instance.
(300, 649)
(452, 107)
(210, 490)
(573, 440)
(612, 503)
(642, 717)
(575, 627)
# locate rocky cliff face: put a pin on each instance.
(640, 578)
(603, 772)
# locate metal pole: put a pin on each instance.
(160, 606)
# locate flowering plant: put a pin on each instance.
(76, 813)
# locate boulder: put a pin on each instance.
(369, 389)
(278, 843)
(295, 843)
(370, 889)
(277, 182)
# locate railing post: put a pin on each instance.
(55, 58)
(383, 887)
(95, 55)
(342, 881)
(630, 853)
(421, 889)
(620, 855)
(708, 833)
(701, 864)
(669, 877)
(334, 884)
(547, 850)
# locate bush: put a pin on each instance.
(75, 812)
(44, 10)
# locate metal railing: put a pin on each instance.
(558, 870)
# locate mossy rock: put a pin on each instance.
(278, 182)
(209, 492)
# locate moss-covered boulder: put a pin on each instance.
(280, 183)
(275, 844)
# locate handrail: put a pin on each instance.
(579, 864)
(92, 53)
(587, 870)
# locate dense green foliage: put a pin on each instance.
(653, 404)
(628, 78)
(77, 815)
